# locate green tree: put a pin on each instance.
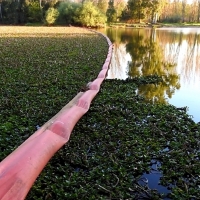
(147, 59)
(102, 5)
(119, 6)
(155, 8)
(137, 9)
(90, 15)
(34, 11)
(67, 11)
(9, 12)
(51, 16)
(1, 17)
(111, 12)
(184, 2)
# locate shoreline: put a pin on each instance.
(152, 26)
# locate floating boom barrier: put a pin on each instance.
(19, 170)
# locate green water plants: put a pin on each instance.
(115, 143)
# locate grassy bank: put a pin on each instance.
(120, 138)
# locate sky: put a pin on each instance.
(188, 1)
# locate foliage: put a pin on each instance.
(102, 5)
(34, 12)
(137, 9)
(111, 12)
(9, 13)
(67, 11)
(119, 6)
(51, 16)
(90, 15)
(172, 19)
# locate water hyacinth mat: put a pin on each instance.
(117, 142)
(42, 69)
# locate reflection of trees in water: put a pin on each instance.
(191, 62)
(157, 52)
(148, 59)
(118, 63)
(183, 50)
(175, 46)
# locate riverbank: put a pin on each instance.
(156, 25)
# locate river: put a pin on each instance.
(173, 53)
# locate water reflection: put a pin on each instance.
(172, 53)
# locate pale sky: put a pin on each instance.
(188, 1)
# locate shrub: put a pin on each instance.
(90, 15)
(51, 16)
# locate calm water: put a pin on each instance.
(173, 53)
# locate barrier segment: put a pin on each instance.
(21, 167)
(95, 85)
(19, 170)
(102, 73)
(18, 176)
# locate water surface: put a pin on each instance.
(173, 53)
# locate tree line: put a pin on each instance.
(97, 12)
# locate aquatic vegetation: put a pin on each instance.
(115, 143)
(42, 69)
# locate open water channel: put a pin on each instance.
(173, 53)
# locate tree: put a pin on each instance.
(198, 14)
(51, 16)
(67, 11)
(119, 6)
(1, 12)
(155, 8)
(34, 11)
(172, 12)
(111, 12)
(102, 5)
(184, 2)
(9, 12)
(137, 9)
(90, 15)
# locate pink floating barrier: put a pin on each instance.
(86, 99)
(102, 73)
(19, 170)
(105, 66)
(95, 85)
(109, 55)
(19, 173)
(107, 60)
(65, 109)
